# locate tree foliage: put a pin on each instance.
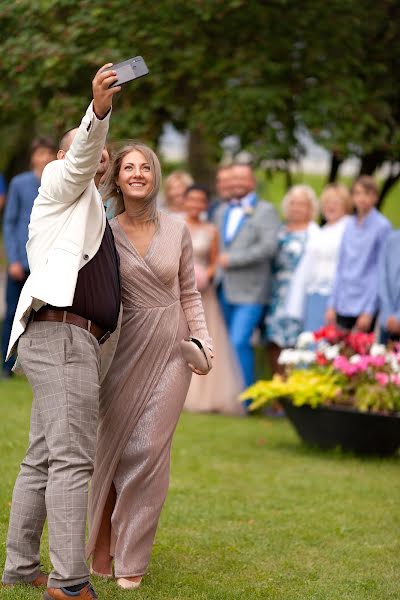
(260, 70)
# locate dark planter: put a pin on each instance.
(332, 426)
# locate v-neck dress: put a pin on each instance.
(144, 391)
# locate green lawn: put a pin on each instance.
(251, 513)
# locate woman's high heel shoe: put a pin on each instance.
(127, 584)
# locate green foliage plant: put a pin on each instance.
(306, 386)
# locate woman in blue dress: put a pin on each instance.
(300, 208)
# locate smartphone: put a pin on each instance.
(130, 69)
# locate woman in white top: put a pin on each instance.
(316, 272)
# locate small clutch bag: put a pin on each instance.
(196, 353)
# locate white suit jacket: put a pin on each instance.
(66, 228)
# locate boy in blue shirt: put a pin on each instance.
(354, 300)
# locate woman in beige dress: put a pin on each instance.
(219, 391)
(144, 391)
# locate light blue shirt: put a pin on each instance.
(355, 289)
(389, 279)
(236, 214)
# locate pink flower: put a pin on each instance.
(363, 363)
(377, 361)
(382, 378)
(395, 379)
(342, 364)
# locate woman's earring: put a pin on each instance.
(118, 190)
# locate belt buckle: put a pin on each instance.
(104, 337)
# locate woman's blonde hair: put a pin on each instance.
(178, 177)
(310, 195)
(341, 191)
(110, 190)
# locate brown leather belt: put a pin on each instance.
(63, 316)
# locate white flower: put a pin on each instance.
(284, 357)
(307, 356)
(331, 352)
(377, 350)
(289, 357)
(296, 357)
(323, 345)
(394, 364)
(305, 339)
(354, 359)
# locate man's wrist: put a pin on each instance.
(100, 113)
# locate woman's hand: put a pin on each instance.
(199, 372)
(102, 93)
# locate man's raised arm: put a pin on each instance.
(65, 180)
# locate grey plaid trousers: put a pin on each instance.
(62, 364)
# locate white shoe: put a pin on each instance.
(127, 584)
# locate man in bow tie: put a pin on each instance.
(248, 231)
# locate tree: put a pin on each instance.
(254, 69)
(352, 105)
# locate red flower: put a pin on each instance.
(360, 342)
(321, 359)
(329, 333)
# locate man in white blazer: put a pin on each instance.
(68, 307)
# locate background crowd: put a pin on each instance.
(263, 277)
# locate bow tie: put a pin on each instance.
(235, 202)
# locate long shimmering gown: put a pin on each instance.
(144, 391)
(219, 391)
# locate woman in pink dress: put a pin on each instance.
(219, 391)
(145, 389)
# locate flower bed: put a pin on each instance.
(331, 366)
(352, 383)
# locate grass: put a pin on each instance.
(251, 514)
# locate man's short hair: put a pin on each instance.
(368, 183)
(243, 165)
(42, 142)
(64, 139)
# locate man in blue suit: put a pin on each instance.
(21, 195)
(248, 231)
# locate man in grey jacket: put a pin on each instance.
(248, 230)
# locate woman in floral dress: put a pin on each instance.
(299, 207)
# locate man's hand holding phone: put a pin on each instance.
(102, 92)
